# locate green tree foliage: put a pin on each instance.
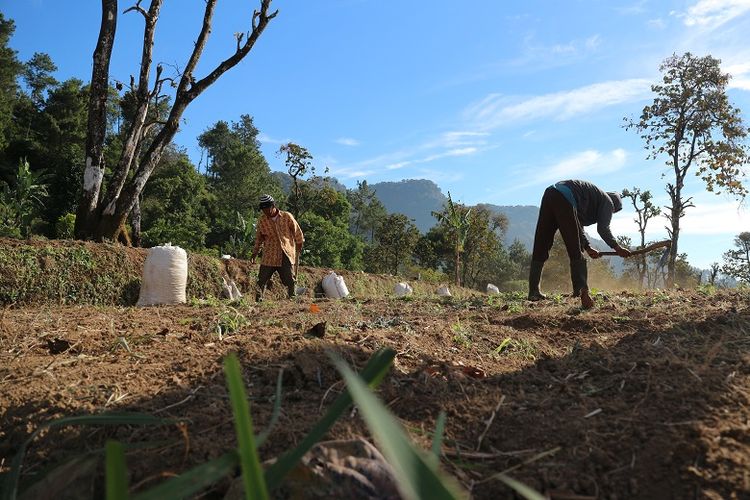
(175, 205)
(298, 162)
(21, 202)
(37, 74)
(457, 219)
(484, 258)
(692, 124)
(237, 173)
(394, 244)
(367, 211)
(328, 241)
(10, 68)
(737, 261)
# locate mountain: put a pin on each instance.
(415, 198)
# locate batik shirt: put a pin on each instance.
(278, 236)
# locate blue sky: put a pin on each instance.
(491, 100)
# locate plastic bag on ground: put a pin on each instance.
(492, 289)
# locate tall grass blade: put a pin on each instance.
(252, 471)
(372, 374)
(191, 482)
(417, 475)
(116, 472)
(525, 491)
(10, 485)
(437, 438)
(261, 438)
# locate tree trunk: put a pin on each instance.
(135, 222)
(93, 174)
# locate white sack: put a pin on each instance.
(334, 286)
(492, 289)
(164, 276)
(402, 289)
(444, 291)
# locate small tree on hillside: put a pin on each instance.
(298, 162)
(457, 218)
(394, 243)
(737, 261)
(644, 212)
(693, 125)
(713, 273)
(101, 214)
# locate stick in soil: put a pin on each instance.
(489, 422)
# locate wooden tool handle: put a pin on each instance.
(646, 249)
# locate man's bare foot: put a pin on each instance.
(586, 301)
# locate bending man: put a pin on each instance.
(568, 206)
(281, 239)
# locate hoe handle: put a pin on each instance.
(653, 246)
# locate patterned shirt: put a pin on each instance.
(278, 236)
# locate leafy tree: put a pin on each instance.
(10, 68)
(20, 203)
(298, 161)
(737, 261)
(102, 213)
(394, 243)
(457, 219)
(237, 174)
(37, 74)
(175, 204)
(367, 211)
(328, 241)
(692, 123)
(645, 210)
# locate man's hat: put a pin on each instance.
(616, 201)
(266, 201)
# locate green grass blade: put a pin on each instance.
(261, 438)
(372, 374)
(116, 472)
(437, 438)
(252, 471)
(417, 476)
(196, 479)
(10, 485)
(525, 491)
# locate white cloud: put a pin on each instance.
(347, 141)
(266, 139)
(657, 24)
(433, 157)
(714, 13)
(705, 219)
(496, 110)
(634, 9)
(582, 164)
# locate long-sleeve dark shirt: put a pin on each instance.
(593, 206)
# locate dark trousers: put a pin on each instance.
(556, 213)
(286, 273)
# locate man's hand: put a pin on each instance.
(594, 254)
(623, 252)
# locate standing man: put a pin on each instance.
(281, 239)
(568, 206)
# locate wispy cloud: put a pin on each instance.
(433, 157)
(740, 76)
(633, 9)
(711, 14)
(580, 164)
(497, 110)
(657, 24)
(267, 139)
(347, 141)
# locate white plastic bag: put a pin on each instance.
(444, 291)
(164, 276)
(402, 289)
(492, 289)
(334, 286)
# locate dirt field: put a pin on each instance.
(645, 396)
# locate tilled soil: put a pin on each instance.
(645, 396)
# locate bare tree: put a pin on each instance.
(713, 273)
(101, 215)
(644, 212)
(692, 123)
